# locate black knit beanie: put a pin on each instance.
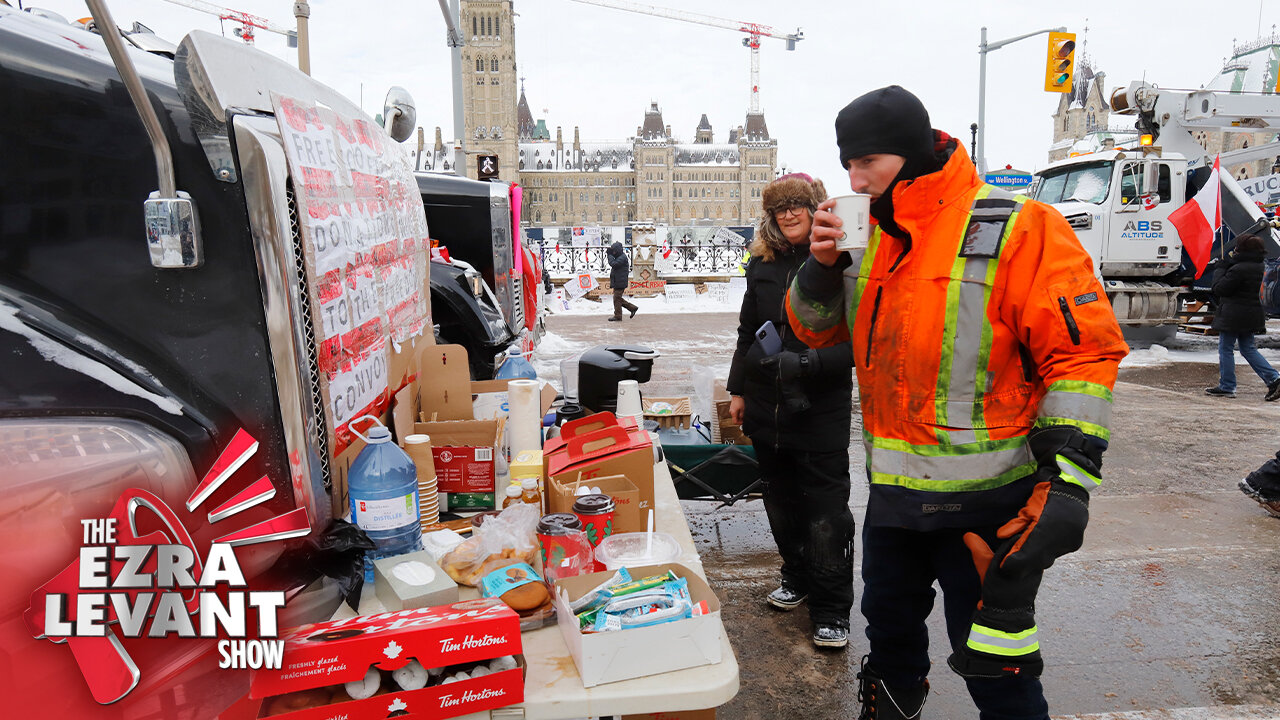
(888, 120)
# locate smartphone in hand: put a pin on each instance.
(768, 338)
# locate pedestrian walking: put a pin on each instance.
(794, 404)
(1263, 485)
(1239, 316)
(619, 279)
(986, 353)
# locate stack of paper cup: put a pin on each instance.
(629, 402)
(524, 425)
(419, 449)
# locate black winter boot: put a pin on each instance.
(882, 702)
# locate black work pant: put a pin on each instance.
(899, 567)
(619, 303)
(806, 497)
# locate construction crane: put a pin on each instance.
(247, 21)
(754, 32)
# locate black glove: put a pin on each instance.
(788, 365)
(1049, 526)
(1003, 617)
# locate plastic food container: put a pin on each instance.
(630, 550)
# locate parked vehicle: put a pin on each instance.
(1119, 201)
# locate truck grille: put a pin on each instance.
(319, 429)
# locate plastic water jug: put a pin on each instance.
(383, 485)
(516, 367)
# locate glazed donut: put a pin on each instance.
(506, 662)
(411, 677)
(366, 687)
(332, 635)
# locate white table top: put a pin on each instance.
(553, 690)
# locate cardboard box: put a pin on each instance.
(527, 464)
(581, 426)
(607, 657)
(489, 398)
(723, 428)
(444, 384)
(610, 451)
(678, 416)
(332, 653)
(463, 454)
(626, 497)
(404, 588)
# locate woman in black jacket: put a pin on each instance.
(795, 406)
(1239, 316)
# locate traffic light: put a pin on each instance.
(1060, 65)
(487, 167)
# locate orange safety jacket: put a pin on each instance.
(987, 324)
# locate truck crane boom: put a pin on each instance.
(247, 21)
(754, 32)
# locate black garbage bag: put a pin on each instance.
(338, 552)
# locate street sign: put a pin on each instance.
(1007, 178)
(486, 167)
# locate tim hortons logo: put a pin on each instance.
(446, 456)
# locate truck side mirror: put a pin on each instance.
(399, 113)
(1149, 177)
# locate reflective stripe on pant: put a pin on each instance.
(899, 568)
(806, 498)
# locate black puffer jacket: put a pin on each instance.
(825, 426)
(619, 268)
(1235, 284)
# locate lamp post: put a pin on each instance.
(979, 155)
(302, 13)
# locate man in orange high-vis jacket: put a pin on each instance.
(986, 353)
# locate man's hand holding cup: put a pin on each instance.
(826, 230)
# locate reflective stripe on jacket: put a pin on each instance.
(989, 322)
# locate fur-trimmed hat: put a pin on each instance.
(788, 190)
(793, 189)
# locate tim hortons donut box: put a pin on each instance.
(329, 654)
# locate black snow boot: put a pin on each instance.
(883, 702)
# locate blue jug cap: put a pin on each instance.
(379, 434)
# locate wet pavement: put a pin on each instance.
(1171, 610)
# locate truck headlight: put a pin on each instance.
(59, 471)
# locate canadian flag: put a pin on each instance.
(1199, 219)
(666, 248)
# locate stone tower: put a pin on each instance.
(489, 84)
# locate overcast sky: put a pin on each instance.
(599, 69)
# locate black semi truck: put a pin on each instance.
(138, 336)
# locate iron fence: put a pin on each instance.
(674, 251)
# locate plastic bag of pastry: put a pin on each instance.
(522, 589)
(504, 539)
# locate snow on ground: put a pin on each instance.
(704, 303)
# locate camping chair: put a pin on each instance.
(727, 473)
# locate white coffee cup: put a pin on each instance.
(855, 212)
(629, 399)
